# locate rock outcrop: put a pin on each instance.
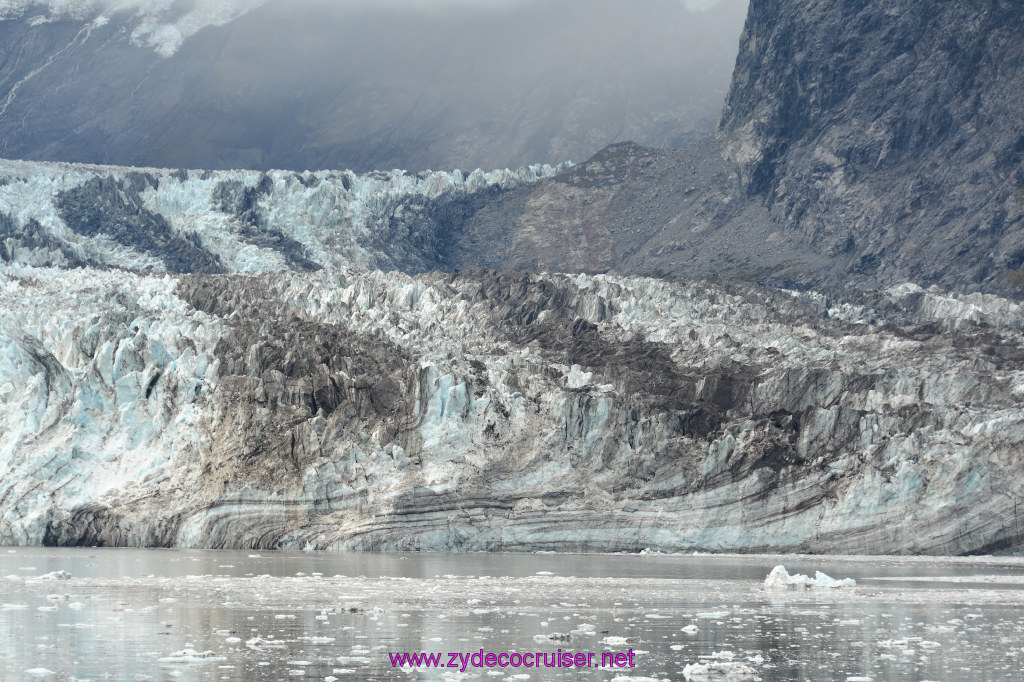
(863, 143)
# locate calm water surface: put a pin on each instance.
(194, 615)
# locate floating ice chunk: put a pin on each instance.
(780, 579)
(712, 615)
(859, 678)
(191, 656)
(719, 671)
(13, 607)
(76, 605)
(39, 672)
(656, 616)
(232, 640)
(620, 641)
(544, 573)
(55, 575)
(553, 637)
(691, 629)
(260, 644)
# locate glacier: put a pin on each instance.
(243, 359)
(349, 407)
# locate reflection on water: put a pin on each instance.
(185, 615)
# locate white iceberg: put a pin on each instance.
(780, 579)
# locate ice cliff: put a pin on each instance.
(353, 408)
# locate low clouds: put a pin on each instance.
(162, 26)
(165, 24)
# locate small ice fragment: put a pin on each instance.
(614, 640)
(858, 678)
(55, 575)
(691, 629)
(713, 615)
(13, 607)
(168, 600)
(544, 573)
(191, 656)
(656, 616)
(553, 637)
(38, 672)
(719, 670)
(76, 605)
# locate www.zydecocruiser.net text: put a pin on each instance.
(461, 660)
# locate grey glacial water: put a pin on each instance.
(136, 614)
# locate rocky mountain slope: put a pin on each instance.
(490, 411)
(307, 84)
(862, 143)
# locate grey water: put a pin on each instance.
(129, 614)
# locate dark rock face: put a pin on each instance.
(886, 134)
(863, 143)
